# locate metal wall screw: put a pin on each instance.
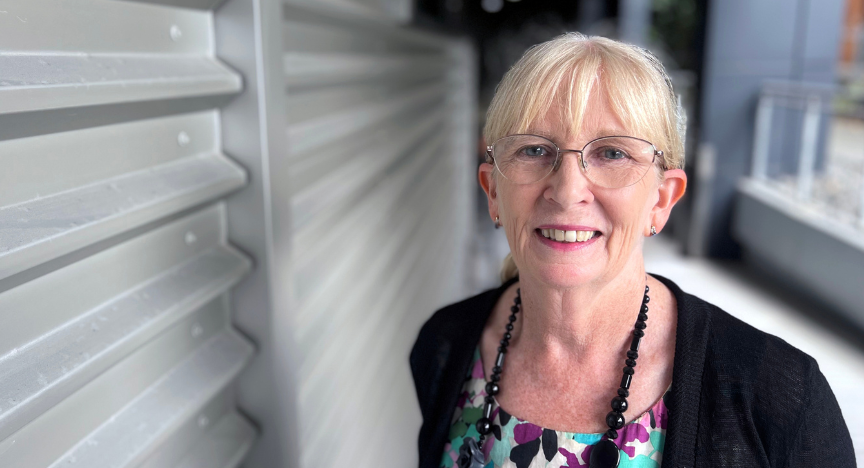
(176, 33)
(183, 139)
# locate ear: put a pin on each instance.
(671, 190)
(487, 181)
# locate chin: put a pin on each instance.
(566, 276)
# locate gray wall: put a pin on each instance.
(747, 42)
(818, 257)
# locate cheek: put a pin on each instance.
(629, 217)
(517, 203)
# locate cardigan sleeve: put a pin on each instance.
(822, 438)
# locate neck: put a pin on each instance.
(581, 323)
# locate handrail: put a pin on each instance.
(814, 100)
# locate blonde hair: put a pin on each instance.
(567, 69)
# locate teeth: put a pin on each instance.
(567, 236)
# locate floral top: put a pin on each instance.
(520, 444)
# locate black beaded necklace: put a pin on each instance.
(605, 453)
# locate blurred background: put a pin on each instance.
(223, 222)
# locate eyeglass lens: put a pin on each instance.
(611, 162)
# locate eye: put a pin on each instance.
(612, 154)
(535, 151)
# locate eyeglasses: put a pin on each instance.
(610, 162)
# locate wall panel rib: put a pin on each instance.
(116, 343)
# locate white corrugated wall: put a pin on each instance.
(116, 347)
(343, 144)
(381, 132)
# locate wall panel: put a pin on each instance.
(116, 342)
(380, 136)
(222, 223)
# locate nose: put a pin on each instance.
(568, 185)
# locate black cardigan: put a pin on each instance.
(739, 397)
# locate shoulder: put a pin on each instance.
(730, 345)
(444, 346)
(737, 350)
(459, 320)
(756, 383)
(454, 323)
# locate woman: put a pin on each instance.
(585, 162)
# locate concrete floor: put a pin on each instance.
(732, 287)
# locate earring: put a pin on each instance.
(497, 224)
(653, 231)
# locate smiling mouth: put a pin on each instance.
(567, 237)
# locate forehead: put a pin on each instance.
(597, 120)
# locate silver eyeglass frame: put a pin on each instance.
(490, 158)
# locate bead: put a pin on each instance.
(646, 289)
(634, 345)
(644, 309)
(612, 434)
(499, 361)
(492, 388)
(502, 349)
(496, 369)
(628, 370)
(630, 354)
(505, 343)
(604, 454)
(646, 299)
(489, 399)
(518, 292)
(642, 317)
(507, 336)
(639, 333)
(496, 377)
(615, 420)
(641, 325)
(625, 381)
(509, 327)
(518, 300)
(487, 410)
(484, 426)
(470, 454)
(619, 404)
(623, 392)
(512, 318)
(514, 309)
(630, 362)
